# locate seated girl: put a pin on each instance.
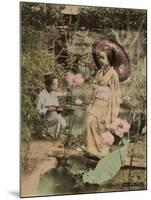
(48, 105)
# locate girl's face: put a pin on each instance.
(103, 59)
(54, 84)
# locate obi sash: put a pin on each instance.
(103, 92)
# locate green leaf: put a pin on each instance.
(108, 166)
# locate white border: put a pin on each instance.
(9, 99)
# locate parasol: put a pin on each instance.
(121, 63)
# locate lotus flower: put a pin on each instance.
(107, 138)
(126, 126)
(120, 127)
(119, 132)
(70, 78)
(115, 124)
(78, 79)
(74, 79)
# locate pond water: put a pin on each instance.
(55, 182)
(60, 181)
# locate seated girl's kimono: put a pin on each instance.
(54, 121)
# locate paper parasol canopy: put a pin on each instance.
(121, 62)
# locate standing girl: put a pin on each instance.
(105, 106)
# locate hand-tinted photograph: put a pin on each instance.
(83, 99)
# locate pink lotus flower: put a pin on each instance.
(120, 127)
(74, 79)
(107, 138)
(119, 132)
(126, 126)
(116, 123)
(70, 78)
(78, 79)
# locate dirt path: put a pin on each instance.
(39, 163)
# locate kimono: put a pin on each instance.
(54, 121)
(102, 111)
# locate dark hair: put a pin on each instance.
(111, 56)
(48, 78)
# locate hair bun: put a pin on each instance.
(48, 78)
